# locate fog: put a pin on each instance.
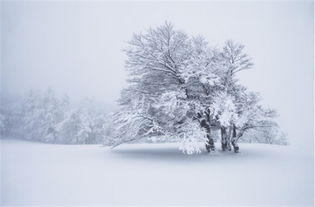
(76, 48)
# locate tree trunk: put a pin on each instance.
(223, 138)
(210, 143)
(234, 140)
(205, 123)
(228, 139)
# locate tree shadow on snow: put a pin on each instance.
(173, 154)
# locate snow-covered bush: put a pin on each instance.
(190, 138)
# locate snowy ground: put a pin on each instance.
(144, 174)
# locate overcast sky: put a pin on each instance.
(76, 48)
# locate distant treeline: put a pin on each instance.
(45, 117)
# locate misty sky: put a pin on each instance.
(76, 48)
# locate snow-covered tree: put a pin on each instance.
(180, 89)
(40, 115)
(2, 124)
(82, 126)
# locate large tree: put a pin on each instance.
(180, 89)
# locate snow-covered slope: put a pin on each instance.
(144, 174)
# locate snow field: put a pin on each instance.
(153, 174)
